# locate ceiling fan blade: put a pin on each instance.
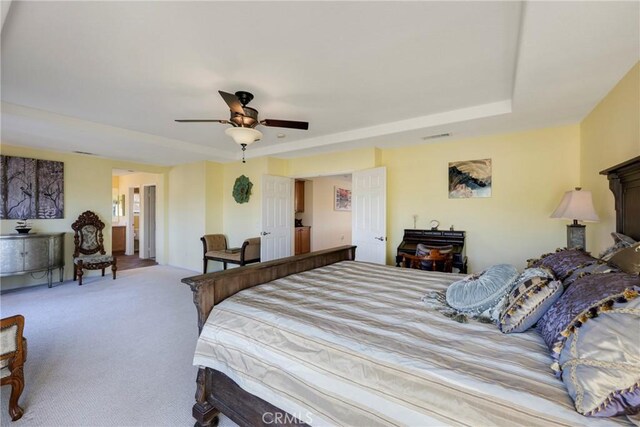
(201, 121)
(232, 101)
(285, 124)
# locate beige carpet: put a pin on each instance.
(108, 353)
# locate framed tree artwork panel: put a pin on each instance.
(31, 188)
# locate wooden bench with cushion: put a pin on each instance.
(215, 249)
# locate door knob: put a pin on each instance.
(264, 233)
(379, 238)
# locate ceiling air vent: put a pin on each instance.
(86, 153)
(440, 135)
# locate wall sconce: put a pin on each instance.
(576, 205)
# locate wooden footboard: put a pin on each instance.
(214, 390)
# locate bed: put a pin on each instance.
(326, 340)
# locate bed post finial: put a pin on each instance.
(203, 412)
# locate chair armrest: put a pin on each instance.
(250, 249)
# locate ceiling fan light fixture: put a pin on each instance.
(242, 135)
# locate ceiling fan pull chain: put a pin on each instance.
(244, 148)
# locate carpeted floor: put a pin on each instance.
(108, 353)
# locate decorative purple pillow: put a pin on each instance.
(584, 299)
(601, 363)
(564, 261)
(595, 268)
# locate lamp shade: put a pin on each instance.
(244, 135)
(576, 205)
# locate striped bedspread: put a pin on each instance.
(352, 344)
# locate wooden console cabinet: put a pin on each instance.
(118, 238)
(298, 200)
(28, 253)
(303, 240)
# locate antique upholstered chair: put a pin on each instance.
(89, 250)
(215, 249)
(434, 258)
(14, 353)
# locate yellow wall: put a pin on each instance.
(187, 213)
(334, 163)
(243, 220)
(610, 134)
(531, 171)
(194, 209)
(214, 186)
(87, 186)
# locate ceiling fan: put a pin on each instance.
(244, 119)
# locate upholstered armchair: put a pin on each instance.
(89, 250)
(215, 249)
(14, 353)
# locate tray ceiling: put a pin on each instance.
(110, 77)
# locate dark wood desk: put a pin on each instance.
(455, 238)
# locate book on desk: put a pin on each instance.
(455, 238)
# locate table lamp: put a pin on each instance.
(576, 205)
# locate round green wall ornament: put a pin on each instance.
(242, 189)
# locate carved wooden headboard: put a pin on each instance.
(624, 182)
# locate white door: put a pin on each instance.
(277, 217)
(369, 214)
(150, 221)
(130, 245)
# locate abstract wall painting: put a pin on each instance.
(343, 199)
(31, 188)
(470, 178)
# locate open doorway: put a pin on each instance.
(135, 231)
(149, 249)
(325, 215)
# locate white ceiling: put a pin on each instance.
(110, 77)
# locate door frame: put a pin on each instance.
(129, 246)
(311, 178)
(144, 211)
